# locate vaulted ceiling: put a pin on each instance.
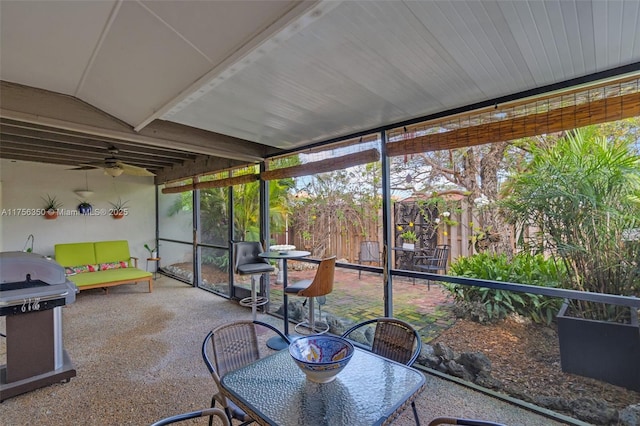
(183, 87)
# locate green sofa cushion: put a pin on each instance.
(112, 251)
(110, 275)
(74, 254)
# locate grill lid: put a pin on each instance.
(21, 285)
(17, 266)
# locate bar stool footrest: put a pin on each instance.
(312, 330)
(249, 301)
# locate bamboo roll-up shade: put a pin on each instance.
(221, 183)
(556, 120)
(217, 183)
(323, 166)
(343, 144)
(177, 189)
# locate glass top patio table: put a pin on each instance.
(371, 390)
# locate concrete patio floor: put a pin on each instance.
(137, 357)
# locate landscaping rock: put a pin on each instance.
(553, 403)
(444, 352)
(428, 358)
(594, 410)
(486, 380)
(630, 416)
(458, 370)
(335, 325)
(473, 367)
(297, 312)
(360, 337)
(475, 362)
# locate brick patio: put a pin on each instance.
(354, 300)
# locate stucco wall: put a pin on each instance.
(23, 184)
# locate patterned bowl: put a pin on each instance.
(321, 357)
(282, 248)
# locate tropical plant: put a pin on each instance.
(51, 203)
(214, 211)
(409, 236)
(151, 249)
(495, 303)
(119, 206)
(479, 171)
(583, 197)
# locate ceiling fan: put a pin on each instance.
(114, 167)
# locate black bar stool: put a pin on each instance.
(249, 263)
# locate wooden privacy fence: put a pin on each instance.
(330, 235)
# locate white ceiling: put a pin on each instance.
(285, 74)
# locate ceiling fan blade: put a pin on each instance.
(134, 170)
(83, 168)
(87, 166)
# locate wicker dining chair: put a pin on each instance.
(393, 339)
(227, 348)
(460, 421)
(211, 412)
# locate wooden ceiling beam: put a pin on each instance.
(46, 133)
(78, 155)
(42, 107)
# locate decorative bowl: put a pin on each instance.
(321, 357)
(282, 248)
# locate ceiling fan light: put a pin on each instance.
(113, 171)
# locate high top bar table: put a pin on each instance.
(276, 342)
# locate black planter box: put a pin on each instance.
(601, 350)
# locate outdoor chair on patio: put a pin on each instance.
(227, 348)
(393, 339)
(247, 262)
(195, 414)
(459, 421)
(369, 252)
(433, 262)
(319, 287)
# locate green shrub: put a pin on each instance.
(216, 258)
(582, 195)
(496, 304)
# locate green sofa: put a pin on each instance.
(101, 264)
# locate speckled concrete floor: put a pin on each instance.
(137, 357)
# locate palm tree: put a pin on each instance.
(583, 195)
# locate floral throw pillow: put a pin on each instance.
(71, 270)
(113, 265)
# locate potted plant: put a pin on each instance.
(119, 209)
(583, 195)
(153, 252)
(51, 207)
(409, 239)
(84, 207)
